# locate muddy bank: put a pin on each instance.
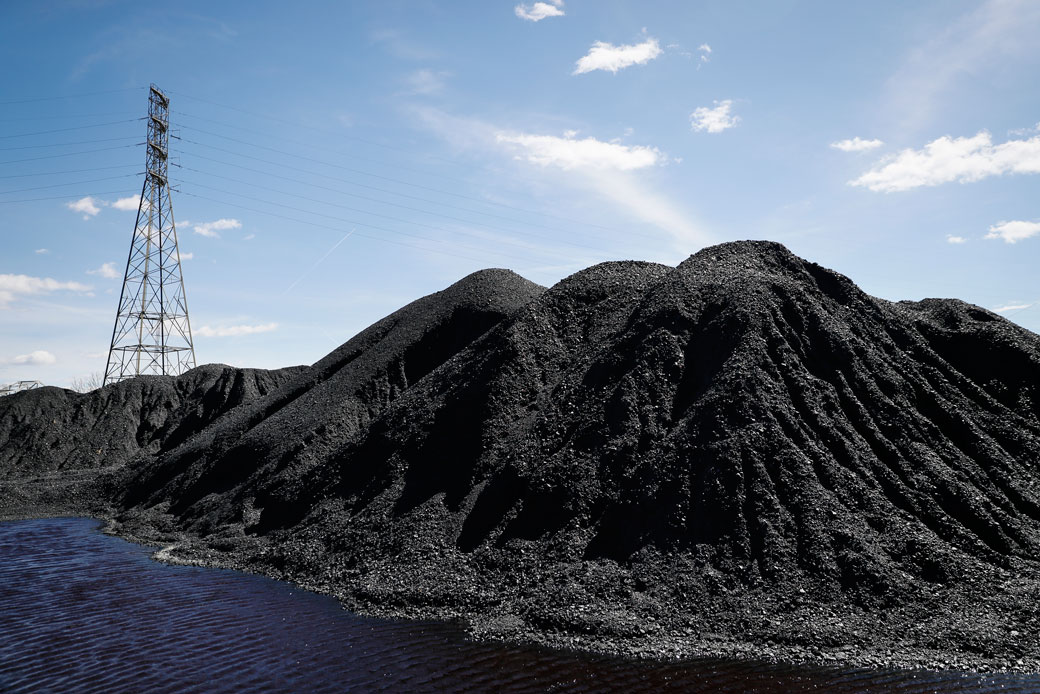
(744, 455)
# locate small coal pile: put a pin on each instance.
(743, 455)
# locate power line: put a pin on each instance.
(77, 127)
(384, 178)
(268, 136)
(68, 154)
(73, 183)
(440, 203)
(383, 202)
(308, 127)
(331, 217)
(67, 96)
(68, 171)
(65, 197)
(64, 116)
(67, 144)
(341, 229)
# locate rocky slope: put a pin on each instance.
(742, 455)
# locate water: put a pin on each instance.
(85, 612)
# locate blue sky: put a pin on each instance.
(337, 160)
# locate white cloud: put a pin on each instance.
(606, 56)
(210, 229)
(856, 144)
(187, 256)
(1011, 307)
(589, 153)
(425, 81)
(1013, 232)
(87, 206)
(41, 251)
(127, 204)
(947, 159)
(107, 270)
(38, 358)
(628, 192)
(950, 238)
(249, 237)
(235, 330)
(705, 50)
(538, 11)
(13, 286)
(714, 120)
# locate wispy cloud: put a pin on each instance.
(399, 45)
(235, 330)
(14, 286)
(994, 33)
(1011, 307)
(212, 229)
(950, 238)
(606, 56)
(88, 206)
(187, 256)
(567, 153)
(42, 251)
(608, 173)
(856, 144)
(107, 270)
(538, 11)
(1014, 231)
(948, 159)
(705, 50)
(426, 82)
(714, 120)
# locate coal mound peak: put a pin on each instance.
(744, 445)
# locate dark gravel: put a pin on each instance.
(742, 456)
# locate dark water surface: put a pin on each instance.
(85, 612)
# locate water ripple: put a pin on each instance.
(83, 612)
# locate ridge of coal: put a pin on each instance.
(744, 454)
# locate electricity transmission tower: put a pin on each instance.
(152, 333)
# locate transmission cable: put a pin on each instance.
(304, 144)
(334, 218)
(69, 154)
(383, 202)
(385, 178)
(73, 183)
(77, 127)
(66, 197)
(65, 115)
(348, 181)
(342, 230)
(68, 171)
(309, 127)
(67, 144)
(69, 96)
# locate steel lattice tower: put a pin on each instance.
(152, 333)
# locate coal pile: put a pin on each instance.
(742, 455)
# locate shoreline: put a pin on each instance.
(508, 629)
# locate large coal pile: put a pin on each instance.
(744, 454)
(49, 429)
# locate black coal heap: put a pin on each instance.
(721, 447)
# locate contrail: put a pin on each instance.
(327, 254)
